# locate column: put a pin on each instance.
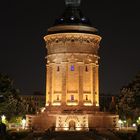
(97, 84)
(47, 84)
(64, 82)
(51, 84)
(93, 83)
(81, 66)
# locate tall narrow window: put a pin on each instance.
(58, 69)
(86, 69)
(57, 98)
(72, 68)
(72, 97)
(86, 97)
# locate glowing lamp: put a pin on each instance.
(3, 117)
(23, 123)
(43, 109)
(120, 122)
(134, 125)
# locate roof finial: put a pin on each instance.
(72, 2)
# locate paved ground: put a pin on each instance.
(106, 135)
(91, 135)
(74, 136)
(110, 135)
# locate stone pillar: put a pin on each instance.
(47, 84)
(97, 84)
(81, 65)
(94, 83)
(51, 84)
(64, 82)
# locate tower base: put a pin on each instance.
(72, 121)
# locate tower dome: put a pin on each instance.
(72, 20)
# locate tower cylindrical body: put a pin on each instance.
(72, 69)
(72, 76)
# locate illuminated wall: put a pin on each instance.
(72, 69)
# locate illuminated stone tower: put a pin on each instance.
(72, 80)
(72, 61)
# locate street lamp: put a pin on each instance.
(124, 121)
(134, 125)
(3, 119)
(120, 123)
(138, 120)
(23, 123)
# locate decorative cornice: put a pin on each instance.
(68, 28)
(72, 58)
(72, 37)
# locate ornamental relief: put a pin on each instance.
(84, 58)
(72, 37)
(71, 49)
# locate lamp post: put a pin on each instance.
(23, 123)
(138, 121)
(120, 123)
(3, 119)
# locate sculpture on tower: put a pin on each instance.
(73, 2)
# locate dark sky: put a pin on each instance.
(24, 23)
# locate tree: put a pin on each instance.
(11, 105)
(129, 100)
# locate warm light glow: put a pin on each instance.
(120, 122)
(124, 121)
(134, 125)
(84, 57)
(97, 104)
(78, 127)
(71, 122)
(43, 109)
(66, 127)
(3, 118)
(138, 120)
(72, 103)
(47, 104)
(23, 124)
(56, 104)
(88, 104)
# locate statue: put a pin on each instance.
(73, 2)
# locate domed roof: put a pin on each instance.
(72, 14)
(72, 20)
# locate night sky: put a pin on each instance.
(24, 23)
